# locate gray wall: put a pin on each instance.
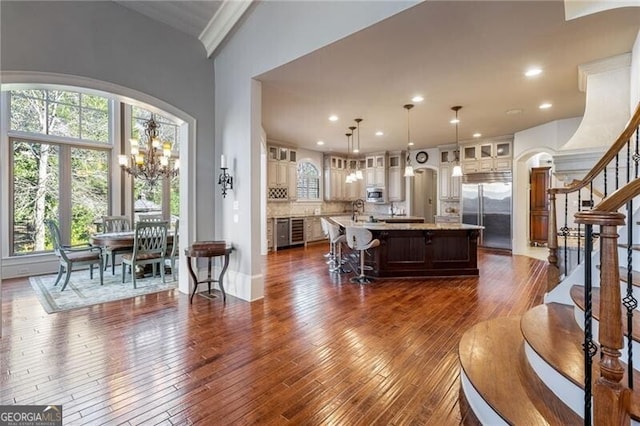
(105, 41)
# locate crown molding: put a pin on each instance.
(600, 66)
(222, 23)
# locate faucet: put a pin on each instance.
(393, 210)
(357, 207)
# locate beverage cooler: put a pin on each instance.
(486, 201)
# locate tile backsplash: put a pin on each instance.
(294, 208)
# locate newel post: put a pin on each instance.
(610, 397)
(553, 276)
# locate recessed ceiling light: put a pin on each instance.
(333, 118)
(514, 111)
(379, 133)
(417, 98)
(545, 105)
(320, 142)
(477, 135)
(454, 121)
(532, 72)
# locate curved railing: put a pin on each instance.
(611, 399)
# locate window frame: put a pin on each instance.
(65, 146)
(306, 188)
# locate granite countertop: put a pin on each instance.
(345, 221)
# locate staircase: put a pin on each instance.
(534, 369)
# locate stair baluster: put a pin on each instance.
(588, 346)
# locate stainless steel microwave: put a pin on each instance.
(375, 195)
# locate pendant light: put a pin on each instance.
(408, 170)
(348, 178)
(359, 175)
(457, 170)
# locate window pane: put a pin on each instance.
(94, 102)
(89, 191)
(68, 114)
(175, 197)
(95, 125)
(35, 194)
(148, 199)
(62, 96)
(308, 181)
(64, 120)
(28, 113)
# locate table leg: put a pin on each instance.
(209, 274)
(194, 278)
(220, 279)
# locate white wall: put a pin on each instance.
(271, 34)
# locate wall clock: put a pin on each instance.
(422, 157)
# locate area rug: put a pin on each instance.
(83, 291)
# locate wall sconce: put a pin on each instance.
(225, 179)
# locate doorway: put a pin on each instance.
(424, 194)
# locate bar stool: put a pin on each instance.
(361, 239)
(336, 240)
(325, 230)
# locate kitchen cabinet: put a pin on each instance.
(376, 171)
(282, 169)
(334, 176)
(488, 156)
(396, 179)
(448, 219)
(336, 170)
(314, 230)
(449, 185)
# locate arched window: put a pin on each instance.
(308, 181)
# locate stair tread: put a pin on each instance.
(577, 294)
(492, 356)
(551, 330)
(635, 247)
(635, 276)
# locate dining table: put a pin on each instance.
(120, 240)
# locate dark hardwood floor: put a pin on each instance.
(316, 350)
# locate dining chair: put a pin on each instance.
(114, 224)
(150, 217)
(172, 252)
(149, 248)
(70, 256)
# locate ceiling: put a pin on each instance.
(190, 17)
(467, 53)
(472, 54)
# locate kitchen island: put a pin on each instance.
(420, 249)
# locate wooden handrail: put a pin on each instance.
(624, 137)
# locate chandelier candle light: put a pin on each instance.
(408, 170)
(153, 162)
(225, 179)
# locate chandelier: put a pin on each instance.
(150, 162)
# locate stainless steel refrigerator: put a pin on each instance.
(488, 204)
